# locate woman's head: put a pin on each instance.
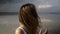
(28, 15)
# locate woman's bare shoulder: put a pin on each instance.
(19, 31)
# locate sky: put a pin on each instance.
(41, 5)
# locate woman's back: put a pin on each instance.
(28, 17)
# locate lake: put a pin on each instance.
(8, 23)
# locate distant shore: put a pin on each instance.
(15, 13)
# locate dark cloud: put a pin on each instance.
(15, 1)
(10, 1)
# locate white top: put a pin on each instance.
(22, 30)
(17, 30)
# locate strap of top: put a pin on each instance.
(23, 30)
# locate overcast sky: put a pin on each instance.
(41, 5)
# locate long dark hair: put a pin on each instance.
(28, 17)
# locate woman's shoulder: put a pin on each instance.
(19, 31)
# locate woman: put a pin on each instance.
(28, 19)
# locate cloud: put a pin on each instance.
(10, 1)
(46, 20)
(44, 6)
